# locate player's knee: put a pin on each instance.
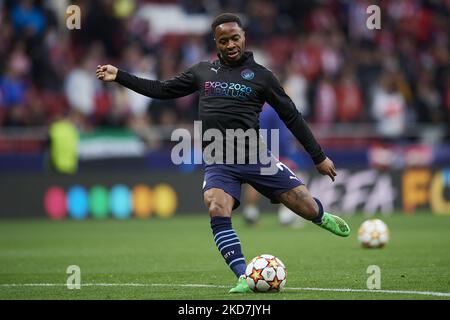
(310, 210)
(217, 209)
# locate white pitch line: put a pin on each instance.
(426, 293)
(190, 285)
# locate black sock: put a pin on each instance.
(318, 219)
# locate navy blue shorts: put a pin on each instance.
(230, 177)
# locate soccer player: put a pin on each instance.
(232, 91)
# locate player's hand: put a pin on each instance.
(326, 167)
(106, 72)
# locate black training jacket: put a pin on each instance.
(231, 97)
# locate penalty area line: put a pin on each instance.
(191, 285)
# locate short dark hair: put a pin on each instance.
(224, 18)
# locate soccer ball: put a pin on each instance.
(373, 233)
(266, 273)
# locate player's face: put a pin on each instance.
(230, 41)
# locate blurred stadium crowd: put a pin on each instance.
(334, 68)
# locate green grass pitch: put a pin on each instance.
(177, 259)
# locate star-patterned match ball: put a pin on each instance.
(266, 273)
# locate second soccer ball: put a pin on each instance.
(373, 233)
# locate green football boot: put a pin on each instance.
(241, 286)
(335, 225)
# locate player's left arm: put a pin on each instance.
(283, 105)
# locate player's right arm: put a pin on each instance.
(179, 86)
